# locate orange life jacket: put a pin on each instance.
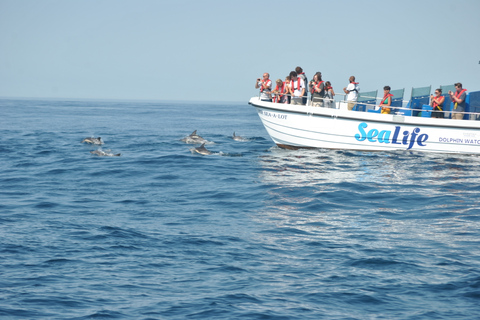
(436, 104)
(298, 84)
(458, 95)
(386, 97)
(316, 86)
(279, 96)
(264, 82)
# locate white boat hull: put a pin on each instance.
(293, 126)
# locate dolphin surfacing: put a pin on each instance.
(201, 150)
(101, 153)
(93, 140)
(238, 138)
(193, 138)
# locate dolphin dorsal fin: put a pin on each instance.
(203, 145)
(194, 133)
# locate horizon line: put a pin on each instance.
(119, 100)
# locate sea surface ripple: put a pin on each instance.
(249, 232)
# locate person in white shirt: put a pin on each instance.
(265, 86)
(298, 88)
(302, 75)
(352, 92)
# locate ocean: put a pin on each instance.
(249, 232)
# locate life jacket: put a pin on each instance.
(458, 95)
(327, 93)
(316, 86)
(264, 82)
(355, 84)
(436, 104)
(298, 84)
(305, 82)
(279, 96)
(386, 97)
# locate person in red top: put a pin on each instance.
(436, 101)
(458, 98)
(265, 86)
(386, 101)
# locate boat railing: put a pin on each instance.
(424, 111)
(418, 105)
(407, 108)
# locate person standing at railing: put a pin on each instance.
(458, 98)
(265, 86)
(352, 92)
(279, 92)
(288, 89)
(297, 87)
(386, 101)
(329, 95)
(317, 89)
(302, 75)
(436, 101)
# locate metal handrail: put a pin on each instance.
(374, 105)
(415, 109)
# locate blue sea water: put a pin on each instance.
(249, 232)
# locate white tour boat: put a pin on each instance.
(408, 127)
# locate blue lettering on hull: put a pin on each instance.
(408, 138)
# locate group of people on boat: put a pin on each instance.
(294, 91)
(458, 97)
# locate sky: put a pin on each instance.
(213, 50)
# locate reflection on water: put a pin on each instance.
(295, 168)
(392, 194)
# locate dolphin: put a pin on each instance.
(93, 140)
(202, 150)
(238, 138)
(101, 153)
(194, 138)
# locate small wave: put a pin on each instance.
(104, 314)
(46, 205)
(230, 154)
(60, 261)
(123, 233)
(286, 230)
(378, 263)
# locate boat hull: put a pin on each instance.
(293, 126)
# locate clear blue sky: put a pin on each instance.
(214, 50)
